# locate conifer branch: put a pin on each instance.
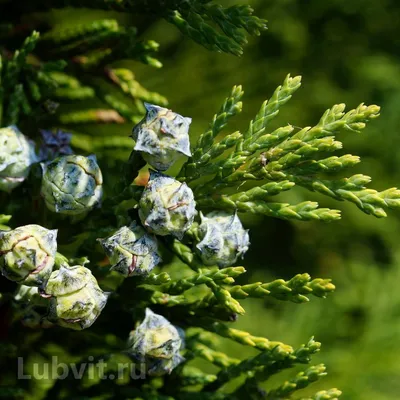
(306, 211)
(331, 394)
(270, 109)
(211, 25)
(245, 338)
(217, 358)
(203, 277)
(251, 366)
(168, 300)
(206, 150)
(186, 254)
(224, 297)
(295, 290)
(193, 376)
(158, 279)
(285, 158)
(300, 381)
(125, 79)
(354, 189)
(301, 355)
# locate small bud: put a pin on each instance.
(222, 239)
(72, 184)
(131, 251)
(167, 207)
(162, 136)
(156, 342)
(27, 254)
(55, 144)
(17, 154)
(76, 299)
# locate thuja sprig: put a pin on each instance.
(80, 32)
(27, 82)
(125, 79)
(282, 159)
(305, 211)
(185, 254)
(301, 355)
(158, 279)
(193, 376)
(268, 111)
(206, 150)
(244, 337)
(209, 24)
(295, 290)
(354, 189)
(90, 47)
(217, 358)
(168, 300)
(181, 285)
(24, 85)
(331, 394)
(300, 381)
(224, 297)
(196, 22)
(251, 366)
(232, 106)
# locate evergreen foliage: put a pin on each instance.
(69, 77)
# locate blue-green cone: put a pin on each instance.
(167, 206)
(76, 299)
(156, 343)
(72, 184)
(162, 136)
(27, 254)
(131, 250)
(17, 154)
(222, 239)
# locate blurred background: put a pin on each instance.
(347, 51)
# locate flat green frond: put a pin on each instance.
(354, 190)
(125, 79)
(305, 211)
(206, 149)
(200, 21)
(270, 108)
(209, 24)
(181, 285)
(284, 158)
(278, 357)
(80, 31)
(296, 289)
(22, 84)
(217, 358)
